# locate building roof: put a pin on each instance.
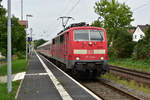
(23, 22)
(143, 27)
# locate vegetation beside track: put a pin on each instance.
(142, 65)
(4, 95)
(131, 84)
(18, 65)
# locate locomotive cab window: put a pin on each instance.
(88, 35)
(96, 35)
(81, 35)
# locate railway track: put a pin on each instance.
(107, 91)
(131, 74)
(110, 91)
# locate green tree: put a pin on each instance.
(2, 10)
(18, 33)
(3, 30)
(114, 15)
(39, 42)
(18, 36)
(123, 45)
(97, 23)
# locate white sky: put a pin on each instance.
(45, 13)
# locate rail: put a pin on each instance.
(109, 90)
(140, 76)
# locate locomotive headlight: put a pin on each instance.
(90, 43)
(77, 58)
(102, 58)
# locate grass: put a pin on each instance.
(143, 65)
(131, 84)
(4, 95)
(18, 65)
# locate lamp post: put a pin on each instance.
(31, 30)
(26, 35)
(9, 83)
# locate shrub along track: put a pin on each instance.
(131, 74)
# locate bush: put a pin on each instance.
(4, 52)
(111, 52)
(142, 49)
(20, 55)
(123, 45)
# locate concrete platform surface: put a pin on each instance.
(43, 81)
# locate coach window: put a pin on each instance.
(49, 47)
(57, 40)
(61, 38)
(53, 41)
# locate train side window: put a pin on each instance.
(53, 41)
(57, 40)
(61, 38)
(49, 47)
(67, 35)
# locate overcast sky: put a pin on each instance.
(45, 13)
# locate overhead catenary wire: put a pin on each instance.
(65, 7)
(141, 6)
(73, 7)
(126, 1)
(60, 14)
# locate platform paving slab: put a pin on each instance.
(37, 86)
(35, 66)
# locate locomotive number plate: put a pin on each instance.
(90, 51)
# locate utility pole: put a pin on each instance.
(64, 22)
(21, 9)
(9, 84)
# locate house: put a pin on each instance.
(139, 32)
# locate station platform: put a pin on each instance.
(44, 81)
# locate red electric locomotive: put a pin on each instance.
(82, 48)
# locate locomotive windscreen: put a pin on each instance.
(88, 35)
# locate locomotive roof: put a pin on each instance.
(81, 24)
(81, 27)
(76, 26)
